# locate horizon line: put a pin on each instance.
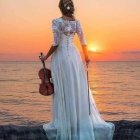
(83, 61)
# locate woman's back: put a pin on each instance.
(67, 27)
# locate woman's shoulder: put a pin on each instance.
(56, 20)
(60, 19)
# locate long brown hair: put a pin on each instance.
(67, 8)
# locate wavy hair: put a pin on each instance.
(67, 8)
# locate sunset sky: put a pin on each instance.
(111, 27)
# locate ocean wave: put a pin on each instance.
(113, 113)
(9, 80)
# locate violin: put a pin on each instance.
(46, 87)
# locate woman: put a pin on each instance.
(75, 115)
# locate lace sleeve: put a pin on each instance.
(55, 31)
(80, 33)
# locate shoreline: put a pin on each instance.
(124, 130)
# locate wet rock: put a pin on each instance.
(124, 130)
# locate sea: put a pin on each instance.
(115, 87)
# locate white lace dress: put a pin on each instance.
(71, 119)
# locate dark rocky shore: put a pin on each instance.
(125, 130)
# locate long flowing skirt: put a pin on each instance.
(71, 119)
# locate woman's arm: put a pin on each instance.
(85, 50)
(82, 39)
(51, 50)
(56, 39)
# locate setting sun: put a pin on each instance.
(93, 47)
(25, 29)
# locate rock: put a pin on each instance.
(13, 132)
(124, 130)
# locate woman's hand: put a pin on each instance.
(42, 58)
(87, 60)
(51, 50)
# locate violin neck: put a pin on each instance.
(44, 64)
(45, 72)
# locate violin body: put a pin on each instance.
(44, 71)
(46, 87)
